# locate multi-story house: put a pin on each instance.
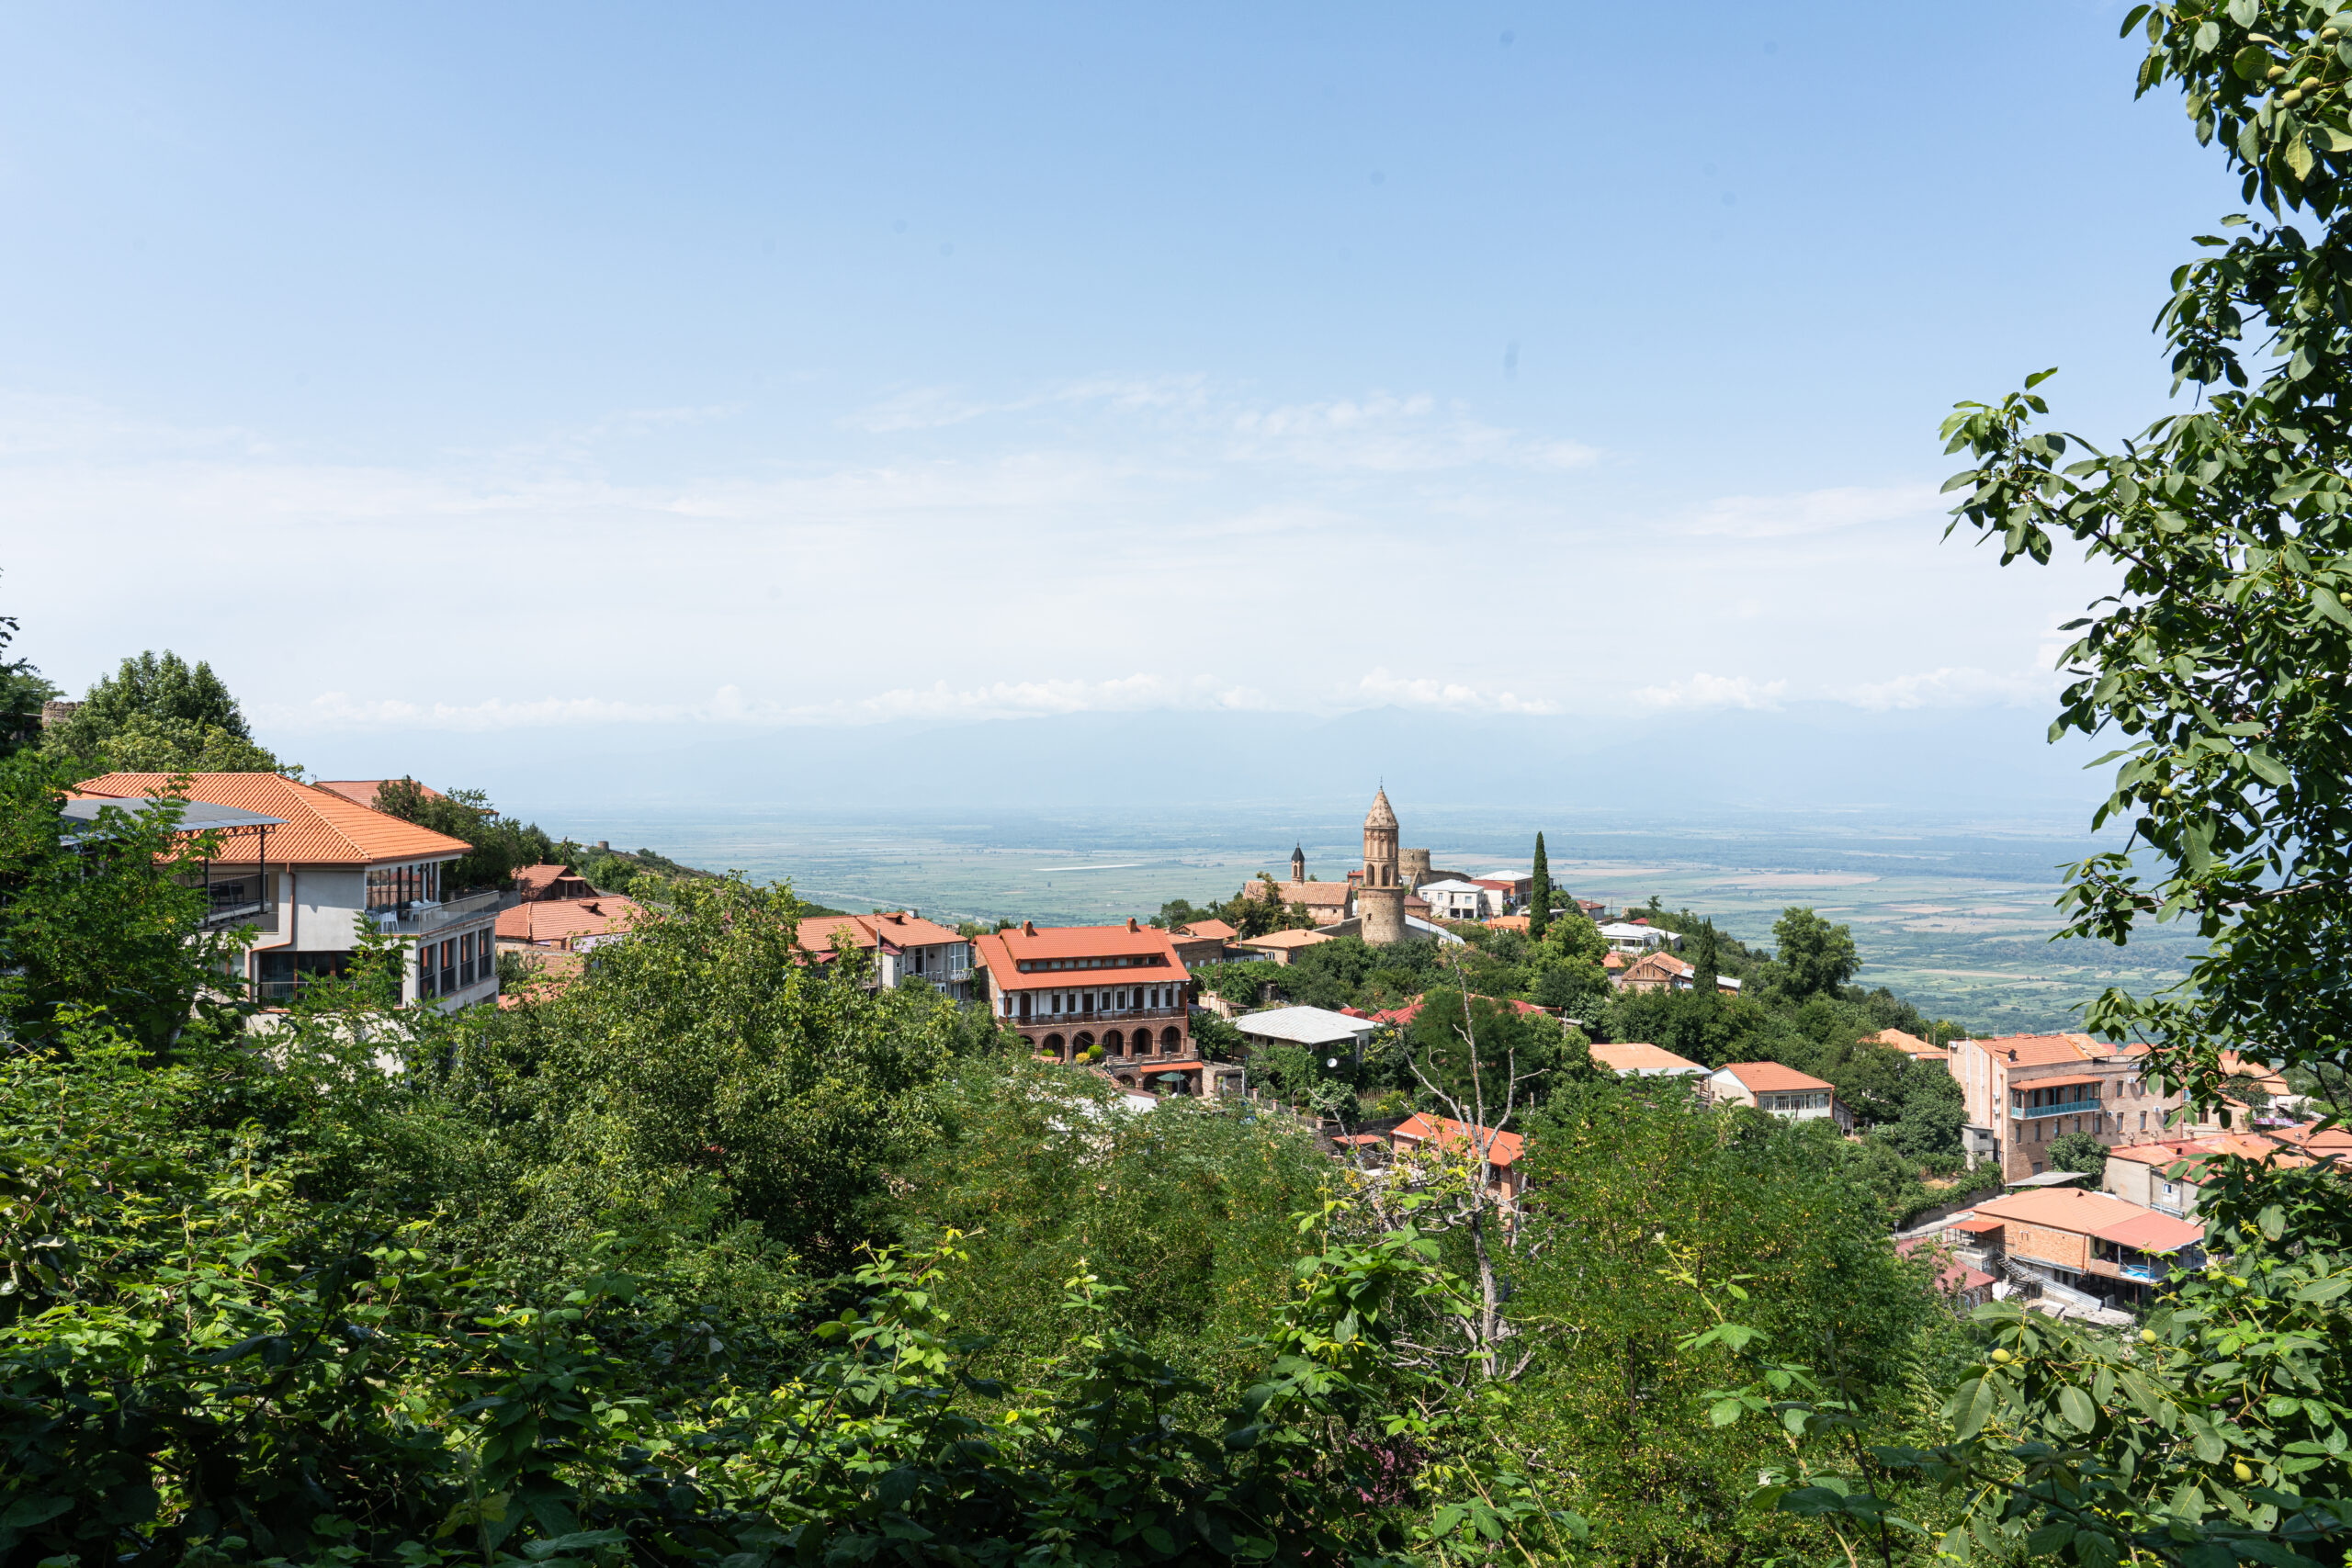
(1118, 996)
(2024, 1091)
(2168, 1176)
(1458, 900)
(1780, 1091)
(902, 943)
(2083, 1240)
(566, 925)
(324, 872)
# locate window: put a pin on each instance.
(465, 958)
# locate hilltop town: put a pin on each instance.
(2052, 1166)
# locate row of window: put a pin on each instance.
(1796, 1102)
(391, 886)
(1126, 961)
(450, 965)
(1051, 1002)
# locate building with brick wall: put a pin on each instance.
(1074, 991)
(2025, 1091)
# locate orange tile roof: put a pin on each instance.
(1505, 923)
(545, 974)
(2045, 1050)
(2164, 1152)
(1910, 1045)
(899, 927)
(1002, 953)
(362, 791)
(322, 826)
(1772, 1077)
(1635, 1056)
(1207, 930)
(2062, 1208)
(1504, 1148)
(2152, 1232)
(550, 921)
(1282, 940)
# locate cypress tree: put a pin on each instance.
(1539, 908)
(1706, 960)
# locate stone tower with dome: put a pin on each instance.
(1380, 897)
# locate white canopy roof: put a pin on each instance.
(1305, 1026)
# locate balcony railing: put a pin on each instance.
(2067, 1108)
(225, 917)
(422, 919)
(1097, 1015)
(2148, 1273)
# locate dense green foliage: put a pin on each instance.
(157, 714)
(501, 845)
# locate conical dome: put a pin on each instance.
(1382, 814)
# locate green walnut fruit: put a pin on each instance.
(2276, 73)
(2147, 1336)
(2003, 1357)
(2290, 98)
(2241, 1472)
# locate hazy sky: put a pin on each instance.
(472, 366)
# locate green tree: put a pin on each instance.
(23, 689)
(501, 845)
(2079, 1152)
(1538, 898)
(100, 914)
(1813, 955)
(1706, 961)
(158, 714)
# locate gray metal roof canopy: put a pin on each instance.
(198, 816)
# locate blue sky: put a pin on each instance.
(474, 368)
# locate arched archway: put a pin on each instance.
(1114, 1043)
(1080, 1044)
(1169, 1038)
(1051, 1044)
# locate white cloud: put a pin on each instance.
(1454, 696)
(338, 710)
(1953, 687)
(1810, 512)
(1705, 691)
(1023, 699)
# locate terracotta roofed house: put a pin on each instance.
(1070, 990)
(1636, 1060)
(2023, 1091)
(2074, 1235)
(1911, 1045)
(1781, 1091)
(331, 870)
(1501, 1152)
(1279, 947)
(568, 925)
(363, 791)
(1203, 942)
(533, 883)
(903, 943)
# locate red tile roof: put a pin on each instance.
(547, 921)
(1504, 1148)
(322, 826)
(1204, 930)
(1282, 940)
(2046, 1050)
(2069, 1080)
(899, 929)
(1404, 1015)
(2152, 1232)
(1910, 1045)
(362, 791)
(1077, 947)
(2068, 1209)
(1772, 1077)
(545, 974)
